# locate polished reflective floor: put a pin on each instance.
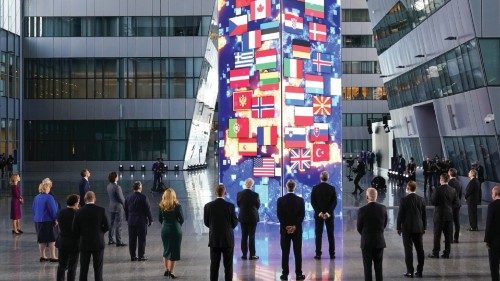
(19, 259)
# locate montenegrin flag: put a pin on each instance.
(315, 8)
(238, 128)
(242, 100)
(294, 95)
(293, 68)
(239, 78)
(260, 9)
(269, 81)
(265, 59)
(267, 135)
(293, 23)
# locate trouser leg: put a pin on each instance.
(472, 215)
(408, 246)
(72, 264)
(97, 258)
(419, 248)
(494, 264)
(367, 263)
(84, 265)
(456, 223)
(244, 239)
(448, 234)
(297, 252)
(227, 257)
(251, 239)
(215, 255)
(438, 229)
(112, 226)
(142, 231)
(132, 240)
(329, 232)
(318, 232)
(63, 265)
(378, 257)
(285, 253)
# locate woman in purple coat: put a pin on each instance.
(15, 204)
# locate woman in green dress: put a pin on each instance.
(171, 218)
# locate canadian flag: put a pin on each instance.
(260, 9)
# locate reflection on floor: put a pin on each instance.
(20, 256)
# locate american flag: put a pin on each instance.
(300, 158)
(263, 167)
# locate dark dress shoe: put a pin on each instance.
(133, 259)
(44, 259)
(301, 277)
(167, 273)
(53, 260)
(432, 256)
(111, 242)
(443, 256)
(254, 258)
(143, 259)
(316, 257)
(121, 244)
(243, 257)
(283, 277)
(172, 276)
(418, 274)
(408, 275)
(332, 257)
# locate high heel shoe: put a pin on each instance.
(14, 232)
(20, 231)
(172, 276)
(167, 273)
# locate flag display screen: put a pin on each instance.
(279, 97)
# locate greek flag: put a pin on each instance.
(243, 59)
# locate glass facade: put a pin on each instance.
(364, 93)
(456, 71)
(402, 18)
(116, 26)
(356, 146)
(357, 41)
(355, 15)
(361, 119)
(111, 78)
(490, 50)
(10, 16)
(360, 67)
(105, 140)
(410, 147)
(463, 151)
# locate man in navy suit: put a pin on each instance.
(84, 185)
(248, 201)
(220, 217)
(291, 212)
(492, 233)
(138, 216)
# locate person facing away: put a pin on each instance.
(360, 172)
(158, 169)
(411, 168)
(116, 209)
(455, 184)
(220, 217)
(248, 201)
(372, 220)
(411, 224)
(324, 201)
(138, 216)
(426, 166)
(84, 185)
(67, 242)
(90, 225)
(473, 198)
(480, 172)
(492, 233)
(45, 215)
(444, 199)
(291, 213)
(171, 218)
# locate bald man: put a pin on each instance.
(372, 220)
(492, 233)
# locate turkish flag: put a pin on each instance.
(321, 152)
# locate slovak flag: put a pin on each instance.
(318, 132)
(239, 78)
(303, 116)
(263, 107)
(293, 23)
(295, 137)
(317, 32)
(260, 9)
(321, 62)
(321, 152)
(238, 25)
(314, 84)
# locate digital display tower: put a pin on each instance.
(279, 97)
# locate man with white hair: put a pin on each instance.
(248, 201)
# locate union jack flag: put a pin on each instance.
(300, 158)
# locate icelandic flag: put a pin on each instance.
(267, 135)
(251, 40)
(293, 23)
(238, 25)
(303, 116)
(318, 132)
(321, 62)
(314, 84)
(294, 95)
(295, 137)
(243, 59)
(263, 107)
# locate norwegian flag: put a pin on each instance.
(322, 105)
(300, 159)
(263, 107)
(317, 32)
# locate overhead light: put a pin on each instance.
(451, 38)
(132, 168)
(420, 56)
(400, 66)
(143, 167)
(120, 168)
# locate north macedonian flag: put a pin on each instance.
(322, 105)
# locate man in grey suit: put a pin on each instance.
(116, 203)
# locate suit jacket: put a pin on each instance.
(427, 167)
(455, 184)
(480, 173)
(360, 169)
(90, 225)
(220, 217)
(444, 199)
(83, 187)
(372, 220)
(116, 199)
(473, 192)
(248, 201)
(68, 238)
(323, 199)
(291, 211)
(401, 165)
(138, 210)
(492, 232)
(412, 217)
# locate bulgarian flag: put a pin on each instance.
(293, 68)
(265, 59)
(269, 81)
(315, 8)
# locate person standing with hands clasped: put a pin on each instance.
(492, 233)
(138, 216)
(473, 198)
(67, 242)
(116, 209)
(412, 223)
(291, 212)
(248, 201)
(324, 201)
(171, 218)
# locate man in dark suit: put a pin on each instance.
(90, 225)
(324, 201)
(67, 241)
(455, 184)
(138, 216)
(444, 199)
(492, 233)
(426, 165)
(84, 185)
(360, 172)
(291, 212)
(473, 198)
(412, 223)
(372, 220)
(248, 201)
(480, 172)
(220, 217)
